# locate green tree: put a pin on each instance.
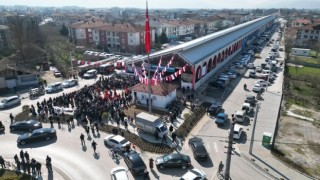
(163, 38)
(64, 30)
(156, 38)
(219, 25)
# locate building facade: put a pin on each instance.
(307, 35)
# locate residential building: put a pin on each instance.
(5, 38)
(114, 37)
(307, 35)
(300, 22)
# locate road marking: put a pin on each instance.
(214, 174)
(215, 146)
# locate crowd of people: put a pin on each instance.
(27, 164)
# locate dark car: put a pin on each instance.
(134, 162)
(217, 84)
(250, 99)
(173, 160)
(198, 148)
(221, 119)
(27, 125)
(37, 135)
(214, 109)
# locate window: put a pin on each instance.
(108, 33)
(131, 41)
(317, 32)
(305, 36)
(89, 30)
(306, 31)
(96, 32)
(299, 37)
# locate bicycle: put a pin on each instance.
(114, 154)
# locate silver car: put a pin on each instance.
(9, 101)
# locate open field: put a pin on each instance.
(298, 137)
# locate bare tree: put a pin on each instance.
(17, 27)
(314, 45)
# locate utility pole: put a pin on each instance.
(149, 85)
(229, 153)
(71, 64)
(254, 127)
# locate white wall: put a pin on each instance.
(3, 83)
(157, 101)
(29, 79)
(133, 39)
(80, 33)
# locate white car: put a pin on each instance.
(69, 83)
(258, 69)
(194, 174)
(263, 83)
(232, 75)
(257, 88)
(237, 131)
(119, 173)
(9, 101)
(116, 141)
(54, 87)
(250, 65)
(90, 74)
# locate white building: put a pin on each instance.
(161, 94)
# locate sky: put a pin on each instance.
(169, 4)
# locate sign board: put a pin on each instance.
(266, 139)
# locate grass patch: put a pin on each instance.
(298, 134)
(314, 146)
(311, 71)
(304, 113)
(14, 175)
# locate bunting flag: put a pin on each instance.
(147, 35)
(160, 61)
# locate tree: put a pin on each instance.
(219, 25)
(163, 38)
(314, 45)
(16, 24)
(156, 38)
(64, 30)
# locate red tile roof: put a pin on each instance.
(162, 89)
(304, 21)
(310, 27)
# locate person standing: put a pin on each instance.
(49, 166)
(33, 166)
(83, 143)
(26, 155)
(171, 129)
(21, 155)
(164, 139)
(11, 117)
(97, 127)
(94, 146)
(88, 131)
(2, 162)
(28, 167)
(92, 130)
(151, 163)
(38, 168)
(174, 136)
(156, 137)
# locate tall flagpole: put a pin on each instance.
(147, 46)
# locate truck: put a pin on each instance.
(151, 124)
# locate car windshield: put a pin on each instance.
(163, 128)
(4, 100)
(167, 158)
(235, 132)
(123, 141)
(195, 172)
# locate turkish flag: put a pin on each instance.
(147, 35)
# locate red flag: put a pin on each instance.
(147, 35)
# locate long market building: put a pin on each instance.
(206, 55)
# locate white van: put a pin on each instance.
(239, 116)
(90, 74)
(9, 101)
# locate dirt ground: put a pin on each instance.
(50, 78)
(299, 139)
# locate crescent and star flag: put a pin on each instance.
(147, 33)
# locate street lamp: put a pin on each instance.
(254, 127)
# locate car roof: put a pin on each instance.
(118, 138)
(43, 130)
(135, 157)
(237, 127)
(221, 114)
(177, 156)
(11, 97)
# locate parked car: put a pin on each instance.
(257, 88)
(198, 149)
(252, 74)
(173, 160)
(237, 133)
(214, 109)
(250, 66)
(239, 116)
(258, 69)
(194, 174)
(250, 99)
(134, 162)
(90, 74)
(27, 125)
(221, 119)
(217, 84)
(119, 173)
(281, 49)
(117, 141)
(232, 75)
(57, 73)
(37, 135)
(263, 83)
(70, 83)
(54, 87)
(10, 101)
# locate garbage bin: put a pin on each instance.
(266, 139)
